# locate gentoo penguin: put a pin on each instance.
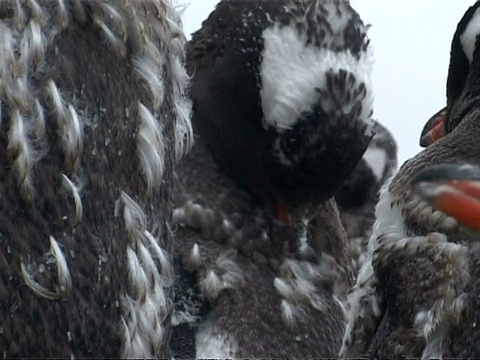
(273, 69)
(282, 106)
(93, 116)
(358, 195)
(418, 294)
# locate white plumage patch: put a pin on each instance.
(182, 102)
(148, 69)
(151, 147)
(364, 300)
(291, 71)
(32, 44)
(469, 36)
(70, 125)
(296, 285)
(156, 40)
(22, 46)
(183, 107)
(20, 149)
(377, 161)
(145, 306)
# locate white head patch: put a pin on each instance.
(291, 71)
(469, 36)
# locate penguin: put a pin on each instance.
(252, 62)
(282, 114)
(417, 294)
(94, 114)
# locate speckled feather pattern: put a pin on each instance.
(431, 280)
(93, 117)
(282, 112)
(424, 303)
(242, 267)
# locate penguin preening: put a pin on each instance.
(93, 117)
(286, 75)
(282, 107)
(417, 295)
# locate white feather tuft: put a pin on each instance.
(64, 278)
(75, 191)
(20, 153)
(151, 147)
(364, 300)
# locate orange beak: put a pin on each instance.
(434, 129)
(454, 190)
